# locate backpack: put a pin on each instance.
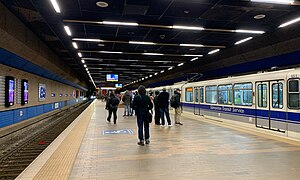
(114, 103)
(173, 101)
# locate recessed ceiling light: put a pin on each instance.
(55, 6)
(275, 1)
(102, 4)
(259, 16)
(214, 51)
(101, 45)
(186, 11)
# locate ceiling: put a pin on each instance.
(208, 25)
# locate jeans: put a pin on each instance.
(162, 116)
(141, 121)
(126, 110)
(115, 115)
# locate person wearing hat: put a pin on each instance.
(163, 104)
(177, 107)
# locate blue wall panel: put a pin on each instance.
(6, 118)
(20, 115)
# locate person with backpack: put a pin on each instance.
(142, 104)
(176, 104)
(112, 107)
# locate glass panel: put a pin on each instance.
(294, 100)
(225, 94)
(262, 95)
(277, 95)
(189, 94)
(196, 95)
(243, 94)
(201, 95)
(293, 85)
(211, 95)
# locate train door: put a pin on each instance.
(199, 98)
(269, 105)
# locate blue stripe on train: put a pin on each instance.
(264, 114)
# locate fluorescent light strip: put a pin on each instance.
(68, 31)
(153, 54)
(170, 68)
(55, 5)
(84, 65)
(243, 40)
(194, 59)
(289, 22)
(214, 51)
(83, 61)
(162, 71)
(249, 31)
(145, 43)
(155, 74)
(120, 23)
(79, 54)
(275, 1)
(192, 55)
(75, 45)
(180, 64)
(188, 27)
(192, 45)
(111, 52)
(150, 75)
(89, 40)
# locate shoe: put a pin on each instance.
(179, 123)
(162, 125)
(157, 124)
(107, 121)
(147, 141)
(141, 143)
(170, 125)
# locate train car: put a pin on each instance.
(265, 100)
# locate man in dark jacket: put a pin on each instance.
(126, 98)
(142, 104)
(177, 107)
(156, 109)
(163, 104)
(112, 106)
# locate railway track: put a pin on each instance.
(20, 148)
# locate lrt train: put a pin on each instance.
(266, 100)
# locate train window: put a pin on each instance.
(196, 94)
(201, 95)
(293, 94)
(189, 94)
(225, 94)
(262, 95)
(277, 95)
(243, 94)
(211, 95)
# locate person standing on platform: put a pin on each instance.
(156, 109)
(126, 100)
(163, 103)
(112, 107)
(142, 104)
(177, 107)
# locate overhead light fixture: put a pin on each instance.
(83, 61)
(111, 52)
(85, 65)
(101, 45)
(249, 31)
(170, 68)
(192, 55)
(79, 54)
(55, 5)
(153, 54)
(243, 40)
(188, 28)
(192, 45)
(89, 40)
(180, 64)
(120, 23)
(289, 22)
(143, 78)
(155, 74)
(162, 71)
(86, 68)
(138, 42)
(68, 31)
(150, 75)
(275, 1)
(102, 4)
(75, 45)
(214, 51)
(194, 59)
(146, 77)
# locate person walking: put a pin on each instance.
(142, 104)
(177, 107)
(126, 100)
(112, 107)
(163, 103)
(156, 109)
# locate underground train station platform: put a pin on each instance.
(90, 148)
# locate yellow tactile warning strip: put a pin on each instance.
(61, 162)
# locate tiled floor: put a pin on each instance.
(196, 150)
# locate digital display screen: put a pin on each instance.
(42, 92)
(118, 85)
(9, 91)
(24, 91)
(112, 77)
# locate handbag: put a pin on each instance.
(149, 117)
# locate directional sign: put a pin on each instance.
(121, 131)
